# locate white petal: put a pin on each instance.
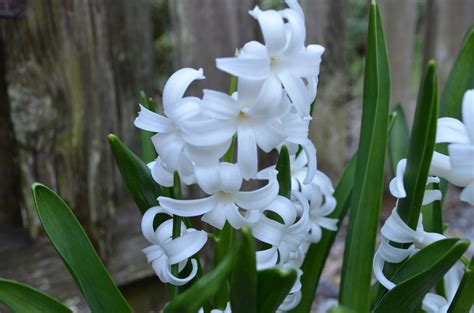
(153, 122)
(181, 281)
(260, 198)
(188, 207)
(467, 195)
(209, 132)
(254, 49)
(451, 130)
(147, 223)
(295, 6)
(296, 29)
(246, 151)
(169, 147)
(160, 174)
(185, 246)
(236, 220)
(440, 165)
(296, 90)
(268, 135)
(248, 90)
(207, 155)
(310, 152)
(247, 68)
(216, 217)
(208, 178)
(430, 196)
(273, 29)
(267, 258)
(219, 105)
(268, 99)
(229, 177)
(462, 164)
(328, 223)
(304, 63)
(177, 84)
(397, 188)
(468, 113)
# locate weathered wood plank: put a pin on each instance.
(207, 29)
(75, 69)
(326, 21)
(9, 183)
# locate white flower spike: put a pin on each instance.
(166, 251)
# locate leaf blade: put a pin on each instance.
(136, 175)
(77, 252)
(270, 298)
(22, 298)
(243, 282)
(367, 193)
(419, 274)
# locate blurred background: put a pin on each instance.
(71, 72)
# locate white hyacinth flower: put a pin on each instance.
(223, 183)
(283, 57)
(176, 130)
(253, 113)
(284, 236)
(458, 169)
(226, 310)
(166, 251)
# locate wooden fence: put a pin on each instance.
(70, 73)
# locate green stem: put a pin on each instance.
(176, 230)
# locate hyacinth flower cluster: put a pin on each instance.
(270, 109)
(458, 169)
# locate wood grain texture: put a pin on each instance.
(75, 69)
(207, 29)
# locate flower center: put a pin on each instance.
(273, 62)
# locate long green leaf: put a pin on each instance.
(419, 274)
(136, 175)
(317, 254)
(464, 298)
(461, 78)
(273, 285)
(368, 185)
(22, 298)
(77, 252)
(203, 290)
(398, 139)
(243, 283)
(420, 152)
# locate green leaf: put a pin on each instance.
(420, 152)
(148, 150)
(284, 172)
(243, 283)
(77, 252)
(22, 298)
(461, 78)
(419, 274)
(368, 186)
(203, 290)
(273, 285)
(398, 138)
(317, 254)
(464, 299)
(136, 175)
(223, 244)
